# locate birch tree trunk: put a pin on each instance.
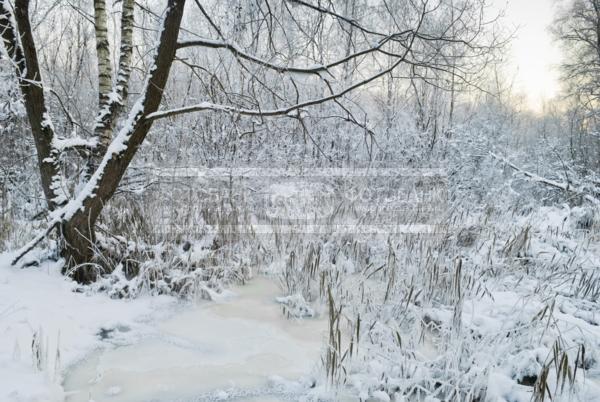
(111, 100)
(102, 131)
(102, 52)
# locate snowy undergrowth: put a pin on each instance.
(501, 307)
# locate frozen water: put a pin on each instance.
(210, 349)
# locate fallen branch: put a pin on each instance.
(539, 179)
(29, 246)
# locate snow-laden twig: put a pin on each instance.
(552, 183)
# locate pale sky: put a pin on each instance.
(533, 55)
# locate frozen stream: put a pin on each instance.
(205, 352)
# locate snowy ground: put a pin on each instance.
(45, 327)
(64, 345)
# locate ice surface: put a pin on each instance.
(238, 343)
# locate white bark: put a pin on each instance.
(104, 67)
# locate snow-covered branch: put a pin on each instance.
(552, 183)
(285, 111)
(235, 49)
(62, 144)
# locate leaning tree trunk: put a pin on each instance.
(75, 217)
(78, 228)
